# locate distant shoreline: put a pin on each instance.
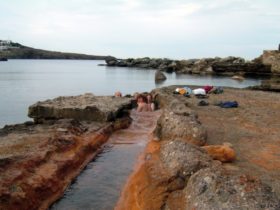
(81, 59)
(13, 50)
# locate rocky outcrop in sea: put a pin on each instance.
(267, 64)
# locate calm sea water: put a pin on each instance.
(24, 82)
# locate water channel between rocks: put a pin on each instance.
(100, 184)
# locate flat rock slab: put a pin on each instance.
(82, 107)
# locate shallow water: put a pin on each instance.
(99, 185)
(24, 82)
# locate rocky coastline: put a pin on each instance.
(268, 65)
(198, 158)
(3, 59)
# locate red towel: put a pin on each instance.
(207, 88)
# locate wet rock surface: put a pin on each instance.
(83, 107)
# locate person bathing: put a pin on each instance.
(142, 104)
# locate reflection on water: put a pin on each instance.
(99, 185)
(24, 82)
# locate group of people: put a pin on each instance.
(145, 103)
(142, 102)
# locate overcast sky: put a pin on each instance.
(136, 28)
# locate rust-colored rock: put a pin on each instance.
(40, 161)
(223, 153)
(165, 169)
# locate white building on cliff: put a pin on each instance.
(5, 45)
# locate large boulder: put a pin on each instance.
(181, 124)
(217, 189)
(159, 76)
(178, 121)
(272, 58)
(111, 61)
(83, 107)
(182, 159)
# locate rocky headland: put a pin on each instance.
(200, 157)
(13, 50)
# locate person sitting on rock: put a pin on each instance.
(150, 102)
(142, 105)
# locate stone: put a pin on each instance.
(83, 107)
(182, 159)
(177, 121)
(159, 76)
(216, 189)
(163, 67)
(223, 153)
(237, 77)
(272, 58)
(182, 125)
(111, 61)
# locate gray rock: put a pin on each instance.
(216, 189)
(163, 67)
(271, 58)
(159, 76)
(83, 107)
(183, 159)
(111, 61)
(180, 124)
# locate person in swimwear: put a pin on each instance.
(142, 104)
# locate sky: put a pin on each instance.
(178, 29)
